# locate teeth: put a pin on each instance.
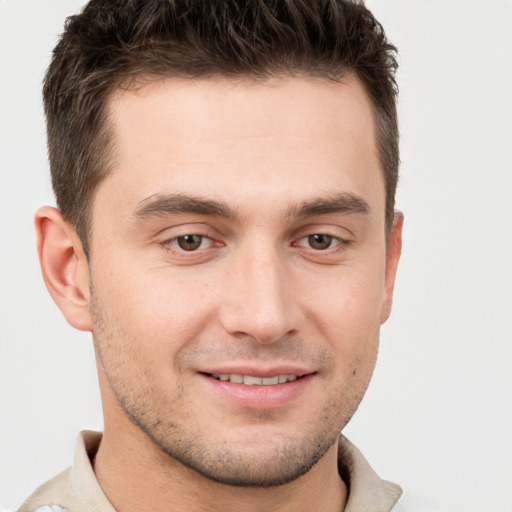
(250, 380)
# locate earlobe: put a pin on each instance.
(64, 266)
(392, 258)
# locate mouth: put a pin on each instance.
(251, 380)
(250, 388)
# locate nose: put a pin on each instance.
(259, 299)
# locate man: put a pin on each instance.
(225, 174)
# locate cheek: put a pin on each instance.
(152, 311)
(347, 313)
(348, 301)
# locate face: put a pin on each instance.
(238, 270)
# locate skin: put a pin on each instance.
(255, 170)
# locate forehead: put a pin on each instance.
(235, 140)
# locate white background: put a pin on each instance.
(437, 417)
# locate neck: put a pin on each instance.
(137, 477)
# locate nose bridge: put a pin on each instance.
(259, 302)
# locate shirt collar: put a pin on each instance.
(367, 491)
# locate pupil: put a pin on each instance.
(189, 242)
(320, 241)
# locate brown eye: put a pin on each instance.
(320, 242)
(189, 242)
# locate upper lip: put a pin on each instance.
(258, 371)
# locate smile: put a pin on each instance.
(250, 380)
(251, 388)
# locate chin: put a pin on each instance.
(243, 466)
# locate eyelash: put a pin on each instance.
(171, 244)
(337, 244)
(340, 244)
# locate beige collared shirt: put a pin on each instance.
(77, 490)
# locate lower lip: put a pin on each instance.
(259, 397)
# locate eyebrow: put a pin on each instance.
(344, 203)
(160, 205)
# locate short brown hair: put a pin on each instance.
(113, 42)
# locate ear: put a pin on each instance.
(392, 257)
(64, 266)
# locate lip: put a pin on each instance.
(259, 372)
(258, 397)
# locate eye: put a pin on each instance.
(190, 242)
(319, 241)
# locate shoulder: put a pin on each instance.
(76, 489)
(50, 492)
(48, 508)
